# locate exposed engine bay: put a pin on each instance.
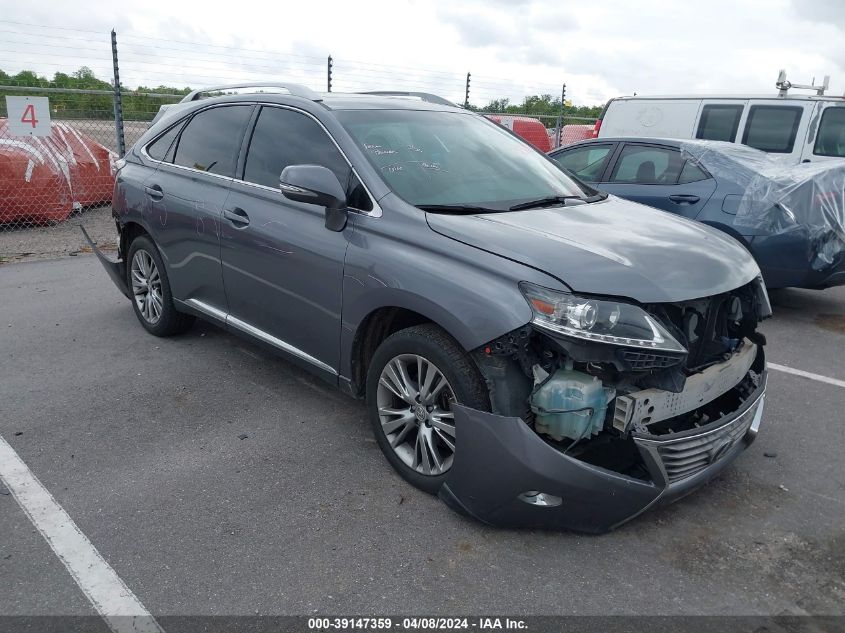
(597, 399)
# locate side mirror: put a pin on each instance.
(314, 184)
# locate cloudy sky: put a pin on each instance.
(512, 47)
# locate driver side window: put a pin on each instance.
(587, 163)
(283, 137)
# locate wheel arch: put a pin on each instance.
(376, 326)
(366, 325)
(129, 231)
(730, 230)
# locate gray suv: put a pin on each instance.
(534, 351)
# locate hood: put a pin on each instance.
(614, 247)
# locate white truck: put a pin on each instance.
(801, 128)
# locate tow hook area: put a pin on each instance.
(116, 270)
(504, 474)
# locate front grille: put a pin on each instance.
(686, 456)
(639, 361)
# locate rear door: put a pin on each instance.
(828, 141)
(659, 176)
(187, 193)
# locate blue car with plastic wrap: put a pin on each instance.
(791, 217)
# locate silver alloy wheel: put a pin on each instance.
(146, 286)
(414, 406)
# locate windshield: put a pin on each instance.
(456, 160)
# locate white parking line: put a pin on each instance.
(112, 599)
(807, 374)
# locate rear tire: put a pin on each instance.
(152, 300)
(411, 417)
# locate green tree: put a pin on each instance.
(28, 78)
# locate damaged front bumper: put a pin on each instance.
(504, 474)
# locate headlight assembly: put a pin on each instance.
(611, 322)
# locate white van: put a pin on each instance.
(803, 128)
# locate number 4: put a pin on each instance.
(29, 116)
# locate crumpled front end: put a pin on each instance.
(587, 437)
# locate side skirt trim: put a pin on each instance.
(263, 336)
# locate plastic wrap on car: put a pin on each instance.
(781, 197)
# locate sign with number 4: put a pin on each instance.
(28, 116)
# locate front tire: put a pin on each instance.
(414, 378)
(150, 288)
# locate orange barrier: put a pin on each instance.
(43, 179)
(532, 130)
(570, 134)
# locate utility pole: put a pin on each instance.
(559, 126)
(118, 103)
(329, 74)
(466, 97)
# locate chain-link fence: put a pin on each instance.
(63, 125)
(57, 152)
(546, 132)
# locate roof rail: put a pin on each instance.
(783, 85)
(297, 90)
(424, 96)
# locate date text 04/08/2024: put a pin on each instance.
(416, 623)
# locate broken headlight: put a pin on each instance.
(602, 321)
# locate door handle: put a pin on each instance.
(154, 191)
(683, 198)
(237, 217)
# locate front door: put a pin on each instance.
(282, 268)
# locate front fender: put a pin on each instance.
(471, 294)
(471, 318)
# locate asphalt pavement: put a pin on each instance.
(215, 478)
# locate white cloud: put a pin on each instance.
(600, 50)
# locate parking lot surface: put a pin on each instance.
(215, 478)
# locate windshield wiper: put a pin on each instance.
(455, 208)
(544, 202)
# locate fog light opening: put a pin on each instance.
(537, 498)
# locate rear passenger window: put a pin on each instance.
(585, 162)
(164, 146)
(644, 165)
(283, 137)
(719, 122)
(692, 173)
(830, 141)
(212, 138)
(772, 128)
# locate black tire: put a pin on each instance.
(170, 321)
(436, 346)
